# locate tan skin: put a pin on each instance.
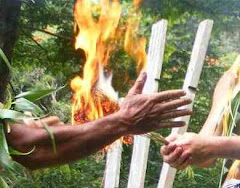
(204, 148)
(138, 114)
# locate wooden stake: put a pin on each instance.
(113, 165)
(190, 86)
(154, 66)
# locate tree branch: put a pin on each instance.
(49, 33)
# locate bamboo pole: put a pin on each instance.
(154, 66)
(190, 86)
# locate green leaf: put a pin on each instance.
(8, 104)
(190, 172)
(234, 112)
(5, 59)
(3, 184)
(35, 95)
(50, 132)
(231, 124)
(22, 105)
(12, 114)
(5, 158)
(15, 152)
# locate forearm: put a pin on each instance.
(73, 142)
(220, 98)
(225, 147)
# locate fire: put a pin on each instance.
(99, 31)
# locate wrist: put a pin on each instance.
(213, 147)
(120, 124)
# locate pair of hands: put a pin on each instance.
(187, 149)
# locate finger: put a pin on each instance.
(185, 164)
(139, 84)
(183, 142)
(51, 120)
(173, 156)
(175, 114)
(172, 137)
(31, 123)
(171, 105)
(59, 124)
(170, 124)
(180, 159)
(168, 95)
(166, 149)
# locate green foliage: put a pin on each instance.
(34, 95)
(23, 105)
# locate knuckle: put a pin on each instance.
(167, 159)
(168, 94)
(174, 114)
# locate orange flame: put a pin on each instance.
(99, 30)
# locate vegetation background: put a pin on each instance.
(43, 56)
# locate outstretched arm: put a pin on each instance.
(139, 113)
(73, 142)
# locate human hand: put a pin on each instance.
(142, 113)
(187, 149)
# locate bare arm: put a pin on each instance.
(73, 142)
(227, 86)
(225, 147)
(203, 156)
(138, 114)
(212, 126)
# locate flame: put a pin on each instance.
(99, 30)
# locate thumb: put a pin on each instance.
(139, 84)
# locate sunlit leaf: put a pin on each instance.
(234, 112)
(50, 132)
(35, 95)
(3, 184)
(231, 124)
(15, 152)
(7, 105)
(22, 105)
(5, 159)
(12, 114)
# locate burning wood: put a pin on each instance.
(108, 105)
(99, 36)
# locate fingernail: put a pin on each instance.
(142, 76)
(144, 73)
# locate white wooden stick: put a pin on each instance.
(154, 66)
(199, 51)
(113, 161)
(113, 165)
